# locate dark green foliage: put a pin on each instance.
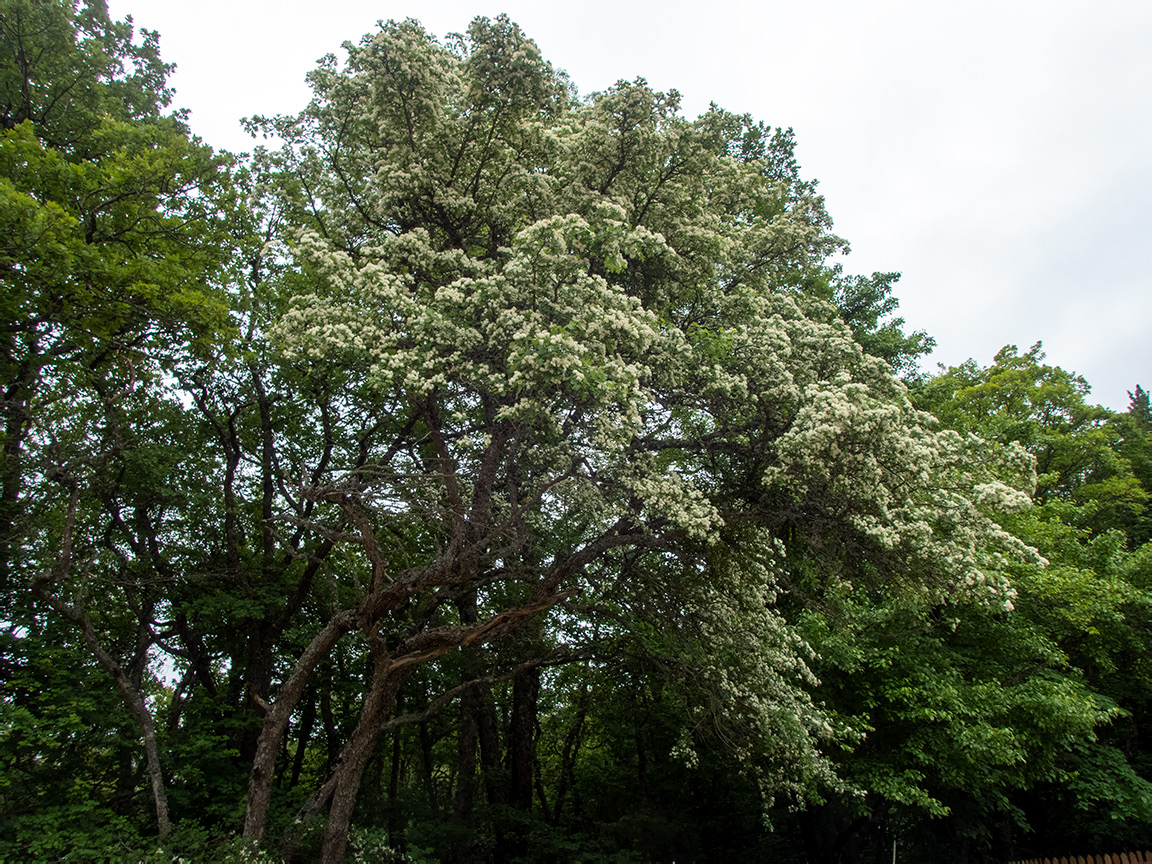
(1133, 431)
(1079, 455)
(866, 304)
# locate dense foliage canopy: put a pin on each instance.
(490, 473)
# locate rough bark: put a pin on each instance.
(468, 742)
(521, 738)
(491, 767)
(521, 762)
(386, 682)
(276, 721)
(426, 765)
(465, 800)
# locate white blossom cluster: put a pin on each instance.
(606, 303)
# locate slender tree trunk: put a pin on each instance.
(133, 698)
(395, 828)
(426, 763)
(132, 692)
(176, 706)
(331, 742)
(20, 380)
(641, 766)
(306, 724)
(569, 754)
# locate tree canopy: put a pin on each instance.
(490, 473)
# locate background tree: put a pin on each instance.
(108, 212)
(1090, 601)
(1134, 443)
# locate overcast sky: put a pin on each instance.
(998, 154)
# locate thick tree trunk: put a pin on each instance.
(492, 769)
(276, 721)
(386, 683)
(465, 800)
(463, 846)
(488, 729)
(830, 835)
(1003, 839)
(522, 738)
(641, 766)
(521, 758)
(257, 687)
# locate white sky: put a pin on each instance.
(996, 153)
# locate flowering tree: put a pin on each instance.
(599, 386)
